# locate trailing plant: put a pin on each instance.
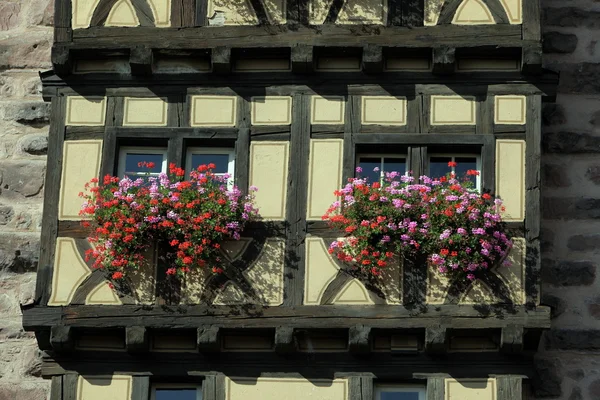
(192, 216)
(445, 220)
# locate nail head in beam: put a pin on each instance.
(285, 343)
(511, 340)
(302, 59)
(140, 60)
(208, 339)
(436, 339)
(444, 59)
(136, 339)
(372, 59)
(359, 339)
(61, 338)
(221, 60)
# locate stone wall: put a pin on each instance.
(569, 359)
(25, 42)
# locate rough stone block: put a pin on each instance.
(9, 15)
(555, 176)
(573, 339)
(556, 42)
(593, 174)
(26, 51)
(570, 143)
(556, 303)
(19, 253)
(546, 239)
(26, 112)
(6, 214)
(547, 378)
(571, 17)
(570, 208)
(569, 273)
(19, 179)
(584, 242)
(581, 78)
(34, 144)
(41, 12)
(553, 114)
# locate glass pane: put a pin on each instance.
(176, 394)
(399, 396)
(463, 164)
(438, 166)
(394, 164)
(368, 164)
(221, 161)
(132, 161)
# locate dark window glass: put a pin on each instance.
(368, 164)
(133, 159)
(438, 166)
(221, 161)
(176, 394)
(394, 164)
(463, 164)
(399, 396)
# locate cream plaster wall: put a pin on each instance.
(338, 64)
(470, 389)
(383, 110)
(510, 178)
(510, 110)
(86, 111)
(103, 294)
(353, 12)
(262, 65)
(269, 172)
(122, 14)
(145, 112)
(354, 293)
(327, 110)
(213, 110)
(407, 64)
(453, 110)
(239, 12)
(70, 270)
(324, 175)
(116, 387)
(294, 389)
(473, 12)
(271, 110)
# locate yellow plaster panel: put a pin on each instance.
(470, 389)
(116, 387)
(231, 294)
(453, 110)
(325, 175)
(145, 112)
(353, 12)
(478, 293)
(86, 111)
(81, 163)
(407, 64)
(213, 110)
(473, 12)
(82, 12)
(266, 274)
(122, 14)
(320, 271)
(327, 110)
(293, 388)
(117, 64)
(514, 10)
(103, 294)
(272, 110)
(262, 65)
(510, 178)
(390, 281)
(69, 272)
(193, 285)
(510, 110)
(437, 286)
(514, 275)
(143, 279)
(338, 64)
(162, 12)
(164, 65)
(354, 293)
(383, 110)
(239, 12)
(269, 172)
(487, 64)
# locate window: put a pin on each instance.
(131, 157)
(374, 166)
(223, 158)
(176, 392)
(399, 392)
(438, 167)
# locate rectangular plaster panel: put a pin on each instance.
(324, 175)
(321, 270)
(262, 65)
(470, 389)
(243, 343)
(266, 273)
(145, 112)
(116, 387)
(293, 388)
(487, 64)
(453, 110)
(271, 110)
(327, 110)
(86, 111)
(213, 110)
(407, 64)
(269, 173)
(114, 65)
(82, 12)
(173, 343)
(510, 178)
(514, 275)
(70, 270)
(165, 65)
(383, 110)
(338, 64)
(510, 110)
(240, 12)
(81, 163)
(352, 12)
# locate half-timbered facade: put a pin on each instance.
(291, 96)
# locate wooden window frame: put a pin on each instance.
(229, 151)
(455, 155)
(125, 150)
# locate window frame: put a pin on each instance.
(382, 156)
(399, 388)
(229, 151)
(124, 150)
(198, 387)
(453, 156)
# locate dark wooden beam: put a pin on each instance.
(62, 21)
(413, 12)
(208, 339)
(302, 59)
(444, 60)
(436, 387)
(372, 59)
(136, 339)
(497, 10)
(531, 59)
(221, 60)
(509, 387)
(140, 60)
(61, 338)
(202, 12)
(285, 341)
(359, 339)
(62, 63)
(140, 388)
(436, 339)
(511, 340)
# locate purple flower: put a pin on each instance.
(471, 277)
(446, 234)
(461, 231)
(358, 170)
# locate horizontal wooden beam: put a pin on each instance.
(359, 339)
(418, 138)
(61, 338)
(140, 60)
(436, 339)
(136, 339)
(285, 341)
(284, 36)
(306, 317)
(511, 340)
(208, 339)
